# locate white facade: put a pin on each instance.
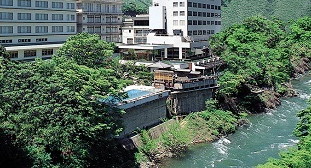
(34, 22)
(103, 17)
(188, 25)
(135, 30)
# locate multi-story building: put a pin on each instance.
(41, 25)
(186, 24)
(135, 30)
(103, 17)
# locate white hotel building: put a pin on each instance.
(181, 28)
(36, 28)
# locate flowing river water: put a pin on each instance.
(265, 137)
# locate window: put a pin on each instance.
(204, 6)
(212, 31)
(208, 22)
(175, 13)
(6, 16)
(57, 17)
(189, 22)
(5, 41)
(42, 4)
(189, 13)
(219, 7)
(41, 39)
(6, 2)
(24, 16)
(23, 29)
(212, 22)
(57, 29)
(42, 29)
(200, 22)
(24, 3)
(199, 5)
(195, 32)
(182, 4)
(208, 6)
(6, 29)
(97, 19)
(57, 5)
(99, 7)
(175, 22)
(212, 14)
(30, 53)
(200, 14)
(195, 13)
(200, 32)
(47, 52)
(181, 22)
(13, 54)
(97, 29)
(208, 14)
(208, 32)
(189, 33)
(212, 7)
(204, 32)
(71, 29)
(90, 18)
(195, 5)
(182, 13)
(70, 6)
(204, 22)
(204, 14)
(71, 17)
(189, 4)
(175, 4)
(24, 40)
(41, 16)
(195, 22)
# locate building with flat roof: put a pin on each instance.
(180, 29)
(103, 17)
(135, 30)
(186, 24)
(36, 23)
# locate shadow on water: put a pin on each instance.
(265, 137)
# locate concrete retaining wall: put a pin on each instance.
(145, 115)
(180, 103)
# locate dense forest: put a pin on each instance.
(235, 11)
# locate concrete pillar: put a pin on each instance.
(180, 53)
(20, 54)
(165, 53)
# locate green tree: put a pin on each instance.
(88, 49)
(52, 109)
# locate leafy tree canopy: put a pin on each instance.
(52, 110)
(88, 49)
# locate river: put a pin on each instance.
(265, 137)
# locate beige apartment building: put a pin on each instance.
(103, 17)
(36, 28)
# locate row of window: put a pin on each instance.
(203, 14)
(38, 29)
(23, 40)
(97, 29)
(200, 32)
(32, 53)
(91, 7)
(38, 4)
(38, 16)
(181, 4)
(203, 22)
(97, 19)
(205, 6)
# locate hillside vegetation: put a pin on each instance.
(235, 11)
